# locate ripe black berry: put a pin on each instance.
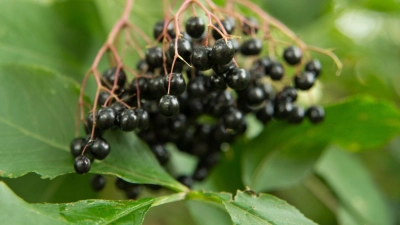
(178, 83)
(77, 146)
(232, 119)
(169, 105)
(156, 87)
(229, 28)
(296, 115)
(161, 153)
(222, 69)
(98, 182)
(128, 120)
(315, 114)
(178, 124)
(110, 75)
(282, 109)
(250, 47)
(305, 80)
(99, 148)
(197, 87)
(288, 93)
(154, 57)
(133, 191)
(217, 83)
(237, 79)
(141, 65)
(276, 71)
(159, 27)
(82, 164)
(292, 55)
(106, 118)
(195, 27)
(184, 49)
(222, 52)
(103, 96)
(200, 173)
(142, 84)
(186, 180)
(250, 26)
(201, 58)
(254, 95)
(143, 118)
(266, 113)
(314, 66)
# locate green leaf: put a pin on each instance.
(37, 126)
(354, 187)
(63, 36)
(247, 208)
(283, 154)
(16, 211)
(216, 214)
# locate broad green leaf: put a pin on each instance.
(249, 209)
(65, 188)
(64, 35)
(216, 214)
(283, 154)
(37, 126)
(16, 211)
(355, 189)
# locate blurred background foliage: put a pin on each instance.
(366, 36)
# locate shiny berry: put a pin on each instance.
(110, 75)
(237, 79)
(178, 83)
(296, 115)
(154, 57)
(143, 118)
(133, 191)
(156, 87)
(201, 58)
(229, 28)
(169, 105)
(250, 26)
(316, 114)
(288, 93)
(222, 69)
(282, 109)
(98, 182)
(161, 153)
(222, 52)
(77, 146)
(251, 47)
(159, 27)
(232, 118)
(128, 120)
(254, 95)
(266, 112)
(197, 87)
(103, 97)
(106, 118)
(82, 164)
(305, 80)
(99, 148)
(314, 66)
(184, 49)
(292, 55)
(217, 83)
(276, 71)
(195, 27)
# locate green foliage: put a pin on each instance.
(46, 46)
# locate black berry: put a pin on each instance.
(232, 118)
(154, 57)
(316, 114)
(237, 79)
(251, 47)
(106, 118)
(296, 115)
(314, 66)
(304, 80)
(77, 146)
(186, 180)
(159, 27)
(169, 105)
(178, 83)
(98, 182)
(143, 118)
(195, 27)
(222, 52)
(99, 148)
(201, 58)
(276, 71)
(110, 75)
(229, 28)
(292, 55)
(184, 49)
(128, 120)
(82, 164)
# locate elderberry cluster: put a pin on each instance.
(198, 107)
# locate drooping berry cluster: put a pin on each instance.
(195, 91)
